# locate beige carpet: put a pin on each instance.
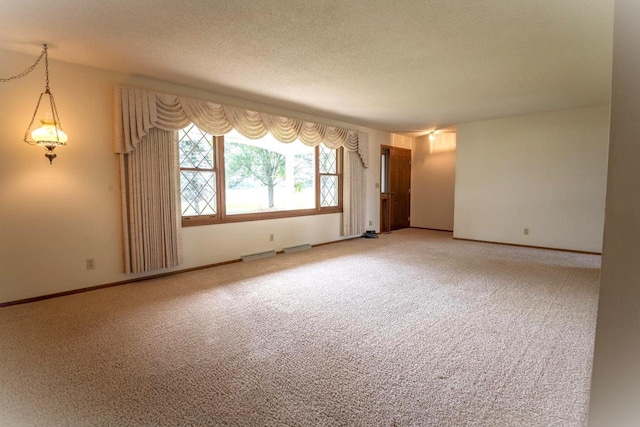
(413, 328)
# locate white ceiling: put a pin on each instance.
(395, 65)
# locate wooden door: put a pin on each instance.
(396, 199)
(399, 187)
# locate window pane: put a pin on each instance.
(198, 193)
(196, 148)
(267, 175)
(383, 174)
(328, 190)
(328, 159)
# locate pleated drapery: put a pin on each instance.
(355, 187)
(145, 128)
(151, 203)
(139, 110)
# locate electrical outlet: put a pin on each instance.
(526, 231)
(370, 222)
(91, 264)
(271, 237)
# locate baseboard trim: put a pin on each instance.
(529, 246)
(432, 229)
(139, 279)
(335, 241)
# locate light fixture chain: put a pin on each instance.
(33, 119)
(30, 69)
(46, 67)
(54, 113)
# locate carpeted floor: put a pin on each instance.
(413, 328)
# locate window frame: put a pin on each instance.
(319, 176)
(215, 169)
(221, 216)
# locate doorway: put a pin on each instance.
(395, 188)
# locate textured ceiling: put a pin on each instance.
(396, 65)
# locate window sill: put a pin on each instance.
(195, 221)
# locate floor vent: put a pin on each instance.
(259, 255)
(298, 248)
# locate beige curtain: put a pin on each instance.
(354, 195)
(151, 203)
(138, 110)
(145, 127)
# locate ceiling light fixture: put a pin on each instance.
(432, 136)
(50, 135)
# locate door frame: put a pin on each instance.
(385, 204)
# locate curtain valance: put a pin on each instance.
(139, 110)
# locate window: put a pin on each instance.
(233, 178)
(329, 177)
(384, 170)
(267, 175)
(198, 177)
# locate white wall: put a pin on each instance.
(433, 171)
(615, 386)
(53, 217)
(545, 172)
(401, 141)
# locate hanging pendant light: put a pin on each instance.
(50, 135)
